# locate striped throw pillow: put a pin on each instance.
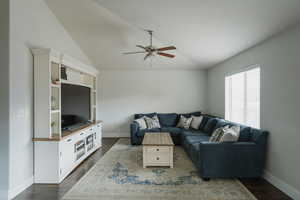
(152, 122)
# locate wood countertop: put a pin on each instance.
(67, 133)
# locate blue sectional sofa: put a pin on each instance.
(242, 159)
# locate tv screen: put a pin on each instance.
(75, 104)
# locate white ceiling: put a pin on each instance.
(205, 32)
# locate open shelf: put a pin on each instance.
(55, 72)
(55, 124)
(55, 98)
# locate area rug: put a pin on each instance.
(119, 174)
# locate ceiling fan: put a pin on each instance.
(150, 50)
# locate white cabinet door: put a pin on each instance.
(67, 156)
(98, 138)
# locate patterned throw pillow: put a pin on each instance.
(196, 121)
(231, 134)
(217, 134)
(142, 123)
(184, 122)
(152, 122)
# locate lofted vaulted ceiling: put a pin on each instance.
(205, 32)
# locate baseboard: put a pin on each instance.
(283, 186)
(12, 193)
(115, 134)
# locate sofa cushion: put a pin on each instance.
(140, 115)
(210, 126)
(197, 139)
(141, 133)
(184, 122)
(245, 132)
(188, 115)
(152, 122)
(191, 132)
(231, 134)
(196, 121)
(172, 130)
(168, 119)
(203, 122)
(221, 123)
(141, 122)
(217, 134)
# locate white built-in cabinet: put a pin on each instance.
(57, 152)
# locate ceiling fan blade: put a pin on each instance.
(140, 46)
(166, 55)
(149, 54)
(136, 52)
(166, 48)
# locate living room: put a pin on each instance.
(184, 73)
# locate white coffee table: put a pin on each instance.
(158, 149)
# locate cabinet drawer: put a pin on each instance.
(162, 149)
(158, 157)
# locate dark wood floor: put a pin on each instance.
(261, 189)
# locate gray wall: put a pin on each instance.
(4, 97)
(123, 93)
(32, 25)
(279, 59)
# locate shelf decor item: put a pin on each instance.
(53, 124)
(56, 82)
(63, 73)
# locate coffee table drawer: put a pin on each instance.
(158, 149)
(158, 158)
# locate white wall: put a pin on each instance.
(279, 59)
(32, 25)
(4, 97)
(123, 93)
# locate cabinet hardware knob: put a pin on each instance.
(157, 158)
(157, 149)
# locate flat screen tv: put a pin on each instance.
(75, 105)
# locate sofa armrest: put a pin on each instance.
(134, 128)
(226, 146)
(230, 159)
(216, 150)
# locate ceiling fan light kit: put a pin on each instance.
(150, 50)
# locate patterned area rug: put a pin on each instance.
(120, 175)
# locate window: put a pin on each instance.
(242, 97)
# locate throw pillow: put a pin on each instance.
(142, 123)
(196, 121)
(231, 134)
(184, 122)
(152, 122)
(217, 134)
